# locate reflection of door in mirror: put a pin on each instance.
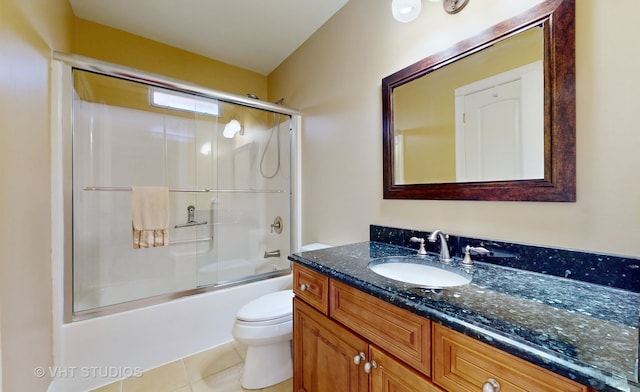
(424, 110)
(499, 126)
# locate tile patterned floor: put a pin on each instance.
(218, 369)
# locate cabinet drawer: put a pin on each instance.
(312, 287)
(399, 332)
(465, 364)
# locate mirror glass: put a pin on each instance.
(476, 119)
(491, 118)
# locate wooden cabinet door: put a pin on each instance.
(324, 354)
(390, 375)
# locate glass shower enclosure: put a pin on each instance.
(227, 167)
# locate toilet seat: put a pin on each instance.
(273, 308)
(279, 320)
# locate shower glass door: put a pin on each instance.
(227, 168)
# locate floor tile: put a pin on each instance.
(226, 381)
(167, 378)
(218, 369)
(285, 386)
(113, 387)
(241, 349)
(212, 361)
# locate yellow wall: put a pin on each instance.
(29, 30)
(116, 46)
(335, 80)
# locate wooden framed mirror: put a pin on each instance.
(526, 153)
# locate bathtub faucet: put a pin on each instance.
(273, 253)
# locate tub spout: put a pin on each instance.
(272, 253)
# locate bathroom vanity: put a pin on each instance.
(355, 330)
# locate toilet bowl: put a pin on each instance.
(265, 326)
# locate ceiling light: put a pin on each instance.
(232, 128)
(405, 10)
(205, 149)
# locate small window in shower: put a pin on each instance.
(186, 102)
(229, 198)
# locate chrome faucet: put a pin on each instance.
(444, 247)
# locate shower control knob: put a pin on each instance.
(304, 287)
(491, 385)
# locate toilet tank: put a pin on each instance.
(313, 246)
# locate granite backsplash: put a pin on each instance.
(602, 269)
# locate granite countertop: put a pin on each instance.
(583, 331)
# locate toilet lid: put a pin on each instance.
(268, 307)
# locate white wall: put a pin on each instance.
(335, 80)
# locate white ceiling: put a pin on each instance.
(253, 34)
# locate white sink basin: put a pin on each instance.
(419, 272)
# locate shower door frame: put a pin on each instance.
(63, 65)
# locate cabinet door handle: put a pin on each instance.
(304, 286)
(491, 385)
(369, 365)
(359, 358)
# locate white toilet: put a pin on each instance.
(265, 326)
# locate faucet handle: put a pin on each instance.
(467, 253)
(421, 251)
(277, 225)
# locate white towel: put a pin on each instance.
(150, 216)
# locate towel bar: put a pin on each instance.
(128, 189)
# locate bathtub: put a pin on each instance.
(116, 294)
(97, 351)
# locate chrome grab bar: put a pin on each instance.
(191, 241)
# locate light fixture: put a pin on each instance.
(405, 10)
(205, 149)
(232, 128)
(454, 6)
